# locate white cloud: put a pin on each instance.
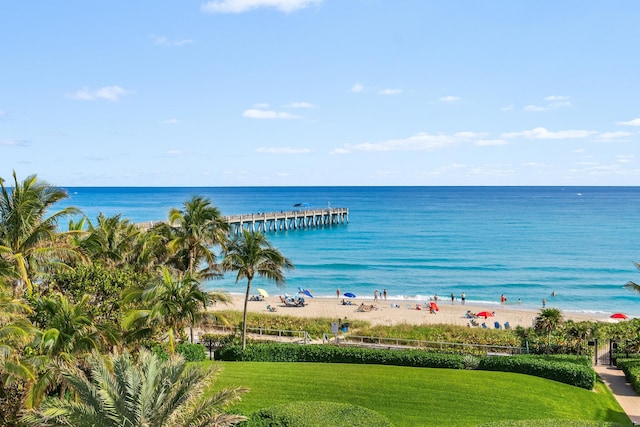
(339, 151)
(554, 102)
(110, 93)
(254, 113)
(240, 6)
(163, 41)
(634, 122)
(419, 142)
(283, 150)
(613, 136)
(490, 142)
(542, 133)
(536, 165)
(390, 92)
(300, 105)
(450, 99)
(534, 108)
(490, 171)
(625, 158)
(13, 142)
(175, 152)
(171, 121)
(261, 105)
(357, 88)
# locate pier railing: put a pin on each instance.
(279, 221)
(287, 220)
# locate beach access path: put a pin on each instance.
(623, 391)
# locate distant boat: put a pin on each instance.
(579, 194)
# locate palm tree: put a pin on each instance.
(123, 392)
(170, 302)
(191, 233)
(29, 239)
(251, 254)
(111, 241)
(632, 285)
(548, 321)
(68, 336)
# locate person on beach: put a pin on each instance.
(453, 298)
(338, 293)
(553, 293)
(463, 297)
(503, 299)
(544, 302)
(435, 297)
(384, 294)
(375, 295)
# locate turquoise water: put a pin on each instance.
(523, 242)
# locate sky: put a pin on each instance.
(320, 92)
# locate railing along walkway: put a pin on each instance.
(401, 343)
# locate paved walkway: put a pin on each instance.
(622, 390)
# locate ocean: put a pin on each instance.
(416, 242)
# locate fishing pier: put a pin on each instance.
(290, 220)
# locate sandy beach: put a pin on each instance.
(388, 314)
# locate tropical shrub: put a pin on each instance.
(334, 354)
(316, 414)
(571, 373)
(191, 352)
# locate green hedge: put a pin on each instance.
(567, 372)
(191, 352)
(570, 370)
(631, 369)
(334, 354)
(316, 414)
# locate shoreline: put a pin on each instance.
(387, 314)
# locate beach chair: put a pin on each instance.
(474, 322)
(507, 325)
(484, 325)
(496, 324)
(270, 308)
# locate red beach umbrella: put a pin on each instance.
(485, 314)
(619, 316)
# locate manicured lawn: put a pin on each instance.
(419, 396)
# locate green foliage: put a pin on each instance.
(631, 369)
(104, 287)
(191, 352)
(571, 371)
(316, 414)
(160, 352)
(334, 354)
(575, 374)
(470, 361)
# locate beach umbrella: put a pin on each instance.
(306, 292)
(302, 205)
(618, 316)
(263, 292)
(349, 295)
(485, 314)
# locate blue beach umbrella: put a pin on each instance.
(349, 295)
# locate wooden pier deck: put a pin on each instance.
(289, 220)
(280, 221)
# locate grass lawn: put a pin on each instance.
(419, 396)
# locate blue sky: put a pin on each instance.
(321, 92)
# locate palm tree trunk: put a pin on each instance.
(244, 317)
